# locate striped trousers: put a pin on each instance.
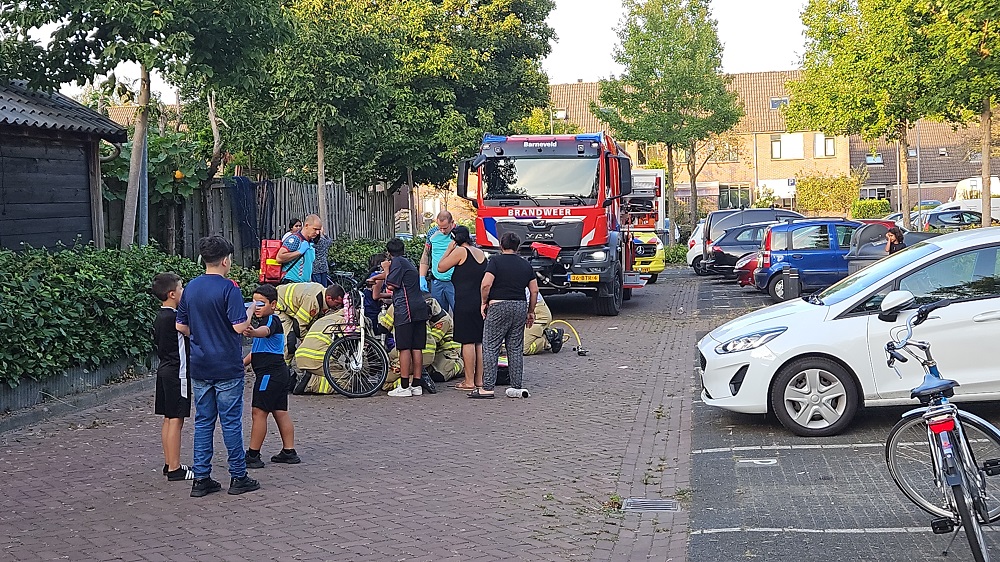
(504, 326)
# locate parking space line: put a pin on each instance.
(787, 447)
(870, 531)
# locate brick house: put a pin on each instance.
(760, 152)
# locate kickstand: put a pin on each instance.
(951, 542)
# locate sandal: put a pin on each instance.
(465, 388)
(477, 394)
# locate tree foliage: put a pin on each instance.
(964, 43)
(540, 122)
(672, 90)
(862, 72)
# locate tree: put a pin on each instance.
(540, 122)
(92, 37)
(672, 91)
(862, 74)
(964, 40)
(819, 193)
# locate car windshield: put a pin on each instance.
(540, 177)
(874, 274)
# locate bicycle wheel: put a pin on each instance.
(353, 378)
(973, 531)
(908, 456)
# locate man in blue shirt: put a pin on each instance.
(211, 312)
(297, 253)
(438, 239)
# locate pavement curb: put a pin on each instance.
(70, 404)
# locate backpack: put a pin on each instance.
(270, 270)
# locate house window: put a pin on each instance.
(724, 152)
(873, 159)
(911, 152)
(775, 147)
(825, 146)
(776, 103)
(788, 146)
(943, 151)
(975, 157)
(640, 154)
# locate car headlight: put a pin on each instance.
(599, 255)
(749, 341)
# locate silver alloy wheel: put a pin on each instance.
(779, 289)
(815, 399)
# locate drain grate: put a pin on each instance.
(643, 504)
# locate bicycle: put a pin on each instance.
(356, 364)
(941, 438)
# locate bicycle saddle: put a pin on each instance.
(933, 385)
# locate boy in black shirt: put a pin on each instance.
(409, 317)
(173, 384)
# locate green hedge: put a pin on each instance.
(870, 208)
(81, 306)
(676, 254)
(352, 255)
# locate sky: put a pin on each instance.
(757, 35)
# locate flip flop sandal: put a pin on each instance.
(477, 394)
(465, 388)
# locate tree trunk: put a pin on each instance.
(177, 100)
(213, 120)
(321, 170)
(692, 165)
(135, 162)
(172, 228)
(985, 122)
(904, 175)
(413, 200)
(671, 200)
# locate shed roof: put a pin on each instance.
(26, 107)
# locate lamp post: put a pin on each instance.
(555, 113)
(920, 197)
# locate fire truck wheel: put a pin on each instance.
(611, 305)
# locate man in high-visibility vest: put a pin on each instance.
(299, 304)
(311, 351)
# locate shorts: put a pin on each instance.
(270, 389)
(168, 401)
(412, 335)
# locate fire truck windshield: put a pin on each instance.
(540, 178)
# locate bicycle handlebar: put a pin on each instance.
(892, 348)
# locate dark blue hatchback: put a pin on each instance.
(815, 247)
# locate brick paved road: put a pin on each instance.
(431, 478)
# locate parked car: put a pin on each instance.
(884, 222)
(744, 269)
(926, 204)
(952, 219)
(970, 205)
(815, 247)
(815, 361)
(733, 245)
(717, 222)
(694, 256)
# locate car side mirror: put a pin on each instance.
(894, 303)
(624, 175)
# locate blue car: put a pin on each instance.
(814, 246)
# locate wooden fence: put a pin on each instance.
(246, 212)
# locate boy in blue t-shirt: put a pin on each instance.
(212, 314)
(270, 396)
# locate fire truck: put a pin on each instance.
(562, 196)
(647, 211)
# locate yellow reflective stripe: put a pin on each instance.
(310, 353)
(315, 335)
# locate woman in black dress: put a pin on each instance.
(470, 266)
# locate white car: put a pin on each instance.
(815, 361)
(694, 248)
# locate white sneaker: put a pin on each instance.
(400, 392)
(416, 390)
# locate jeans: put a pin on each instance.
(223, 400)
(321, 278)
(444, 293)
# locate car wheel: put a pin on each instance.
(814, 397)
(696, 265)
(776, 288)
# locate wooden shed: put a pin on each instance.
(50, 169)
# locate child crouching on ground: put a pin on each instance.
(173, 384)
(270, 394)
